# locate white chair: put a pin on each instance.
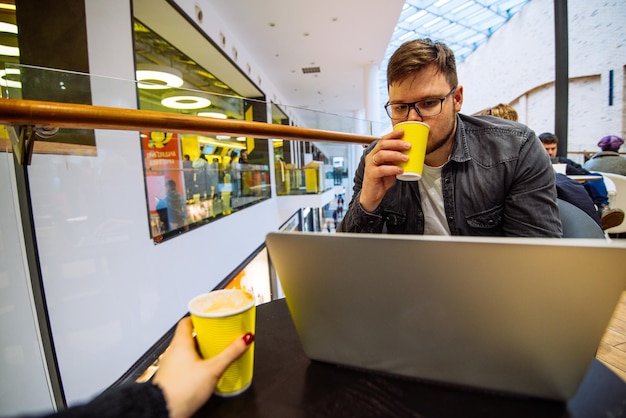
(611, 188)
(617, 200)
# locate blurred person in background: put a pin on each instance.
(188, 174)
(608, 160)
(200, 177)
(609, 217)
(176, 206)
(501, 110)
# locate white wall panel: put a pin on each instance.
(24, 383)
(111, 292)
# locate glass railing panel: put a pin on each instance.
(189, 179)
(339, 157)
(196, 171)
(297, 181)
(339, 123)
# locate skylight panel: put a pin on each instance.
(416, 16)
(406, 36)
(463, 6)
(465, 12)
(476, 39)
(487, 22)
(513, 5)
(432, 22)
(463, 25)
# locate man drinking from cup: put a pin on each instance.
(481, 175)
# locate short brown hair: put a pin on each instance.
(415, 55)
(548, 138)
(501, 110)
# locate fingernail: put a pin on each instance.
(248, 338)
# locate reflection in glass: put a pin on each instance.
(204, 170)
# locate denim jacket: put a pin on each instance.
(498, 182)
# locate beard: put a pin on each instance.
(447, 137)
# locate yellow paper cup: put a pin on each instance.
(219, 317)
(417, 134)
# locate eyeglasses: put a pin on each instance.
(426, 107)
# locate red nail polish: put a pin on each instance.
(248, 338)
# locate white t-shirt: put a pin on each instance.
(431, 195)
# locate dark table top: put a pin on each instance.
(288, 384)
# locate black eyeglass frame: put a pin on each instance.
(413, 105)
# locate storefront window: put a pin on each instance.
(193, 179)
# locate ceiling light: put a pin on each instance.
(185, 101)
(8, 27)
(158, 77)
(217, 143)
(463, 6)
(4, 82)
(9, 51)
(216, 115)
(309, 70)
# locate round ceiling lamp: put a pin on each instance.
(215, 115)
(185, 101)
(156, 77)
(5, 81)
(10, 51)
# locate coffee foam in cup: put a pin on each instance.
(221, 302)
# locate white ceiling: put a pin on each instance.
(341, 37)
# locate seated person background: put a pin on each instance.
(500, 110)
(482, 176)
(575, 193)
(608, 160)
(609, 217)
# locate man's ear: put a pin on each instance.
(458, 98)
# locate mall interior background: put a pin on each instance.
(109, 300)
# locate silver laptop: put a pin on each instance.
(514, 315)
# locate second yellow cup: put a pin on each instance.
(219, 317)
(417, 134)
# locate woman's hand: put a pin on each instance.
(186, 379)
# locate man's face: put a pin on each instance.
(429, 83)
(551, 148)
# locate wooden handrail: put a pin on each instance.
(65, 115)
